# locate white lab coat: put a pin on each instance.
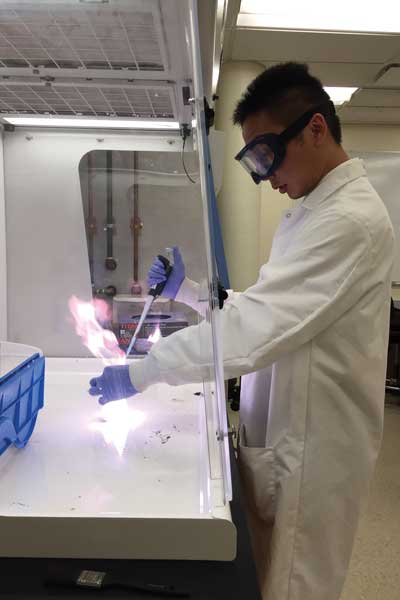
(313, 334)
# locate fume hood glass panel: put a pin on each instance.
(137, 205)
(200, 134)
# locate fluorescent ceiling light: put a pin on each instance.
(382, 17)
(338, 95)
(93, 123)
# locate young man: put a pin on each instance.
(310, 338)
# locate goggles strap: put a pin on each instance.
(296, 127)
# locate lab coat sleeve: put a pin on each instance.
(189, 294)
(297, 296)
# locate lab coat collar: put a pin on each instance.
(335, 179)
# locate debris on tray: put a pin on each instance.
(163, 437)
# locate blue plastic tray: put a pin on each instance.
(21, 397)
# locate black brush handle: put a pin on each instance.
(158, 289)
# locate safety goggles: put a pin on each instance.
(262, 156)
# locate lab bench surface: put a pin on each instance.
(25, 578)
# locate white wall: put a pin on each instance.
(373, 138)
(239, 198)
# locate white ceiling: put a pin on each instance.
(371, 62)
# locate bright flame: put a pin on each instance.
(115, 422)
(116, 419)
(102, 343)
(154, 337)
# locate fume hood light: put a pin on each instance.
(92, 123)
(308, 16)
(338, 95)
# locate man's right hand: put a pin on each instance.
(157, 275)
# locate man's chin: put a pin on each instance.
(294, 195)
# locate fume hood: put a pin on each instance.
(87, 207)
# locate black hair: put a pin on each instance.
(286, 91)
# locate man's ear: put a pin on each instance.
(319, 128)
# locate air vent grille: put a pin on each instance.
(155, 102)
(75, 36)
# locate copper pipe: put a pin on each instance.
(110, 262)
(136, 226)
(91, 224)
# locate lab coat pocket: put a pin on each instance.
(258, 475)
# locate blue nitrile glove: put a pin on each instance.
(157, 275)
(113, 384)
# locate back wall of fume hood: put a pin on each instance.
(47, 255)
(169, 207)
